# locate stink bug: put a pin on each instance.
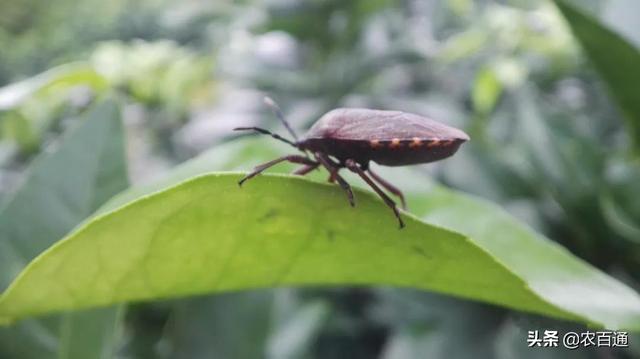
(352, 137)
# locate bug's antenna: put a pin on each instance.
(276, 111)
(266, 132)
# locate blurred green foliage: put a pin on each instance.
(62, 189)
(549, 143)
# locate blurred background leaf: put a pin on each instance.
(63, 187)
(616, 60)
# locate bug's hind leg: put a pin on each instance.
(389, 187)
(353, 166)
(333, 170)
(291, 158)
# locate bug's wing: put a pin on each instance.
(366, 124)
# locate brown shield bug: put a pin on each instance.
(352, 137)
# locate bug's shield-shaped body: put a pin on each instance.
(357, 136)
(390, 138)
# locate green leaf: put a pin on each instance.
(63, 187)
(615, 59)
(207, 235)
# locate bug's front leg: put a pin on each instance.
(331, 166)
(306, 169)
(291, 158)
(353, 166)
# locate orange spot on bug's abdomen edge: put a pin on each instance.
(375, 144)
(415, 143)
(395, 143)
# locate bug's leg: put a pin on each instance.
(389, 187)
(347, 188)
(333, 170)
(353, 166)
(306, 169)
(266, 132)
(332, 177)
(291, 158)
